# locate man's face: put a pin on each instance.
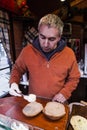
(48, 37)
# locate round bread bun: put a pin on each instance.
(54, 110)
(32, 109)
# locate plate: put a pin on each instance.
(74, 103)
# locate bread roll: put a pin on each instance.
(54, 110)
(78, 122)
(32, 109)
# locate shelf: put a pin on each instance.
(23, 18)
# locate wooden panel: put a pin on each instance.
(18, 36)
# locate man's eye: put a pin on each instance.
(42, 37)
(51, 39)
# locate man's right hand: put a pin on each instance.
(14, 90)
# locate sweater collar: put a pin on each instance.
(60, 47)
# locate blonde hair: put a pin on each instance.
(52, 20)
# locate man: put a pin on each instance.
(52, 66)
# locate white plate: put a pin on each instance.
(74, 103)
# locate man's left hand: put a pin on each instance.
(59, 98)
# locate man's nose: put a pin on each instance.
(46, 42)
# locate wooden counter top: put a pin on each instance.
(12, 107)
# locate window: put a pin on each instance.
(4, 62)
(5, 57)
(4, 42)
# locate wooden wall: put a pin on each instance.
(18, 36)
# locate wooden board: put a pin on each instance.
(12, 107)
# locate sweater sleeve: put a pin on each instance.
(72, 80)
(18, 69)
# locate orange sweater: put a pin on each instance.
(47, 78)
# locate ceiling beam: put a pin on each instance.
(76, 2)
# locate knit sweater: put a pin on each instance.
(47, 77)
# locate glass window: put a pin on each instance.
(3, 55)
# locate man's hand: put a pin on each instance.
(14, 90)
(59, 98)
